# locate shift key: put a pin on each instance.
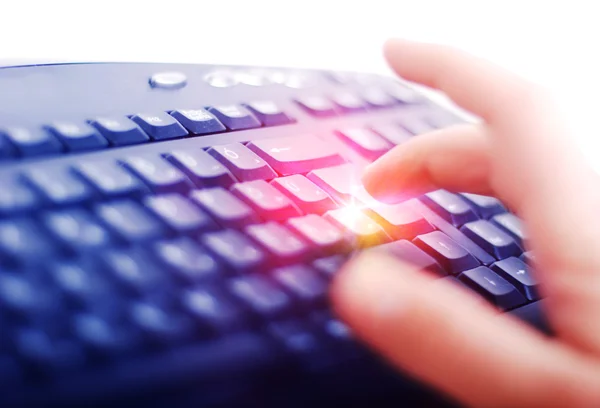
(297, 154)
(340, 182)
(242, 162)
(400, 221)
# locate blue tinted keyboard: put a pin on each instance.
(168, 234)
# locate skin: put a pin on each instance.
(522, 152)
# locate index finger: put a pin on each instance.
(467, 80)
(536, 166)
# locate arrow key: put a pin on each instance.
(493, 287)
(449, 254)
(516, 272)
(269, 113)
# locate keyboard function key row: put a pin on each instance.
(120, 130)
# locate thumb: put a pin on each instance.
(440, 333)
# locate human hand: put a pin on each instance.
(522, 153)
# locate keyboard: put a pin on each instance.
(168, 233)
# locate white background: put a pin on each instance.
(556, 43)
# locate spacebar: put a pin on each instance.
(232, 360)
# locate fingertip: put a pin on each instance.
(389, 46)
(371, 180)
(368, 288)
(393, 46)
(379, 180)
(391, 180)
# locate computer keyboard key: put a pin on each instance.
(454, 233)
(341, 77)
(305, 194)
(296, 154)
(109, 178)
(405, 95)
(281, 243)
(408, 252)
(157, 173)
(364, 141)
(213, 309)
(528, 257)
(265, 199)
(23, 241)
(320, 233)
(235, 250)
(518, 273)
(268, 113)
(364, 231)
(58, 186)
(77, 136)
(134, 270)
(129, 220)
(16, 197)
(348, 102)
(168, 80)
(159, 325)
(340, 182)
(303, 283)
(7, 150)
(185, 259)
(234, 117)
(198, 121)
(451, 256)
(440, 119)
(449, 206)
(491, 238)
(26, 299)
(378, 98)
(329, 266)
(200, 167)
(301, 341)
(77, 229)
(392, 133)
(242, 162)
(493, 287)
(512, 225)
(103, 338)
(32, 141)
(224, 207)
(317, 105)
(400, 221)
(338, 336)
(415, 125)
(260, 296)
(81, 282)
(179, 213)
(534, 314)
(120, 130)
(159, 125)
(485, 206)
